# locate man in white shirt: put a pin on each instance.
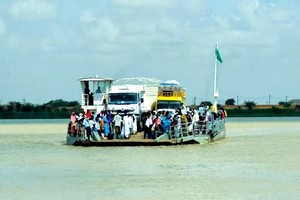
(117, 125)
(148, 125)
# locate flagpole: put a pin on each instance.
(216, 95)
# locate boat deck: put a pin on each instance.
(134, 140)
(181, 136)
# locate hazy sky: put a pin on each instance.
(47, 45)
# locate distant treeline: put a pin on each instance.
(261, 111)
(251, 109)
(59, 108)
(53, 109)
(271, 112)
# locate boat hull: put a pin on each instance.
(138, 140)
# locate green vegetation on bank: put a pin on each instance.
(59, 108)
(263, 112)
(250, 109)
(53, 109)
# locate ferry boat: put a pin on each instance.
(201, 133)
(209, 129)
(95, 90)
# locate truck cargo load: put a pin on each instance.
(171, 95)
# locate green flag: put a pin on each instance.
(218, 56)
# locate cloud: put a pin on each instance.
(102, 28)
(32, 9)
(141, 3)
(249, 7)
(87, 17)
(2, 27)
(259, 15)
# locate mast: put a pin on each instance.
(216, 93)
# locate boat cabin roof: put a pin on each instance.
(95, 79)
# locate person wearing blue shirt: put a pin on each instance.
(87, 127)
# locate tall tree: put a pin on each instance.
(230, 102)
(250, 104)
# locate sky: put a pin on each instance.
(47, 45)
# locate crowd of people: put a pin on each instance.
(103, 125)
(111, 125)
(183, 121)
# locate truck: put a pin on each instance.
(171, 95)
(136, 96)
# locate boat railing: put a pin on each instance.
(77, 130)
(97, 100)
(217, 125)
(178, 132)
(84, 99)
(175, 133)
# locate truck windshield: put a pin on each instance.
(168, 105)
(122, 98)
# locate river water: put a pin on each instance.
(259, 159)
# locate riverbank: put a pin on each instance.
(235, 112)
(35, 115)
(61, 109)
(263, 111)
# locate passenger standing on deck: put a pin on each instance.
(79, 125)
(157, 125)
(178, 123)
(88, 114)
(183, 109)
(125, 129)
(73, 117)
(209, 119)
(147, 127)
(72, 123)
(134, 127)
(224, 113)
(97, 124)
(91, 99)
(166, 123)
(214, 111)
(109, 118)
(195, 118)
(130, 123)
(94, 131)
(117, 125)
(87, 127)
(86, 90)
(106, 125)
(202, 110)
(101, 123)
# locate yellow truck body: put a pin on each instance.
(170, 96)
